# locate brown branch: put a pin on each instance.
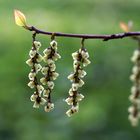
(88, 36)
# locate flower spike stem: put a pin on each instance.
(81, 60)
(49, 71)
(88, 36)
(33, 62)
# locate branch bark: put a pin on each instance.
(134, 35)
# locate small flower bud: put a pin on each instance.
(81, 83)
(29, 62)
(124, 27)
(71, 77)
(134, 100)
(45, 58)
(49, 107)
(81, 73)
(38, 100)
(75, 108)
(53, 44)
(32, 76)
(33, 97)
(135, 70)
(43, 81)
(38, 67)
(69, 101)
(42, 101)
(31, 84)
(76, 64)
(39, 58)
(86, 62)
(69, 113)
(45, 70)
(56, 56)
(50, 62)
(84, 54)
(32, 53)
(37, 44)
(131, 98)
(71, 92)
(36, 105)
(20, 18)
(50, 84)
(54, 75)
(46, 93)
(134, 90)
(52, 67)
(40, 88)
(79, 97)
(131, 109)
(133, 120)
(75, 86)
(133, 77)
(47, 51)
(136, 56)
(75, 55)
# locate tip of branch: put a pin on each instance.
(124, 27)
(20, 19)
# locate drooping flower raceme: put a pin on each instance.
(50, 56)
(33, 62)
(134, 113)
(81, 60)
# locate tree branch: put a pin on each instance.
(134, 35)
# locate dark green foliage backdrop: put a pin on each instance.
(103, 112)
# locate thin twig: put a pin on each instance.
(88, 36)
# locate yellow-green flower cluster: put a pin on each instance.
(50, 56)
(81, 60)
(134, 109)
(33, 62)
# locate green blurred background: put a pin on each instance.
(103, 113)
